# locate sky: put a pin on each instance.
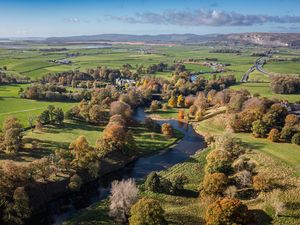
(45, 18)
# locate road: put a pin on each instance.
(258, 65)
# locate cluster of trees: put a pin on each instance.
(285, 84)
(228, 173)
(225, 50)
(52, 116)
(11, 136)
(264, 118)
(105, 101)
(159, 184)
(12, 79)
(52, 92)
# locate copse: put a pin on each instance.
(285, 84)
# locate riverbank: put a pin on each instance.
(50, 192)
(184, 209)
(191, 142)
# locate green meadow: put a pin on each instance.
(12, 105)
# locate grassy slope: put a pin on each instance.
(287, 153)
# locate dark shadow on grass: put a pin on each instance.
(260, 217)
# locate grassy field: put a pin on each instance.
(283, 67)
(264, 90)
(52, 138)
(285, 152)
(12, 104)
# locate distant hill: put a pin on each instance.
(265, 39)
(162, 38)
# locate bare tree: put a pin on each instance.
(123, 195)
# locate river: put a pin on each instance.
(62, 209)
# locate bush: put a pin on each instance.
(215, 183)
(296, 139)
(261, 182)
(274, 135)
(147, 212)
(227, 211)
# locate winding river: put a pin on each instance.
(62, 209)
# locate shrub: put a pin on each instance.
(261, 182)
(274, 135)
(296, 139)
(147, 212)
(227, 211)
(123, 195)
(215, 183)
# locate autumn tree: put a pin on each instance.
(154, 106)
(227, 211)
(180, 101)
(122, 109)
(214, 184)
(12, 135)
(291, 120)
(172, 101)
(96, 114)
(181, 114)
(167, 129)
(261, 182)
(274, 135)
(147, 212)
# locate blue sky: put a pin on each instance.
(41, 18)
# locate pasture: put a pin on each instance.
(12, 105)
